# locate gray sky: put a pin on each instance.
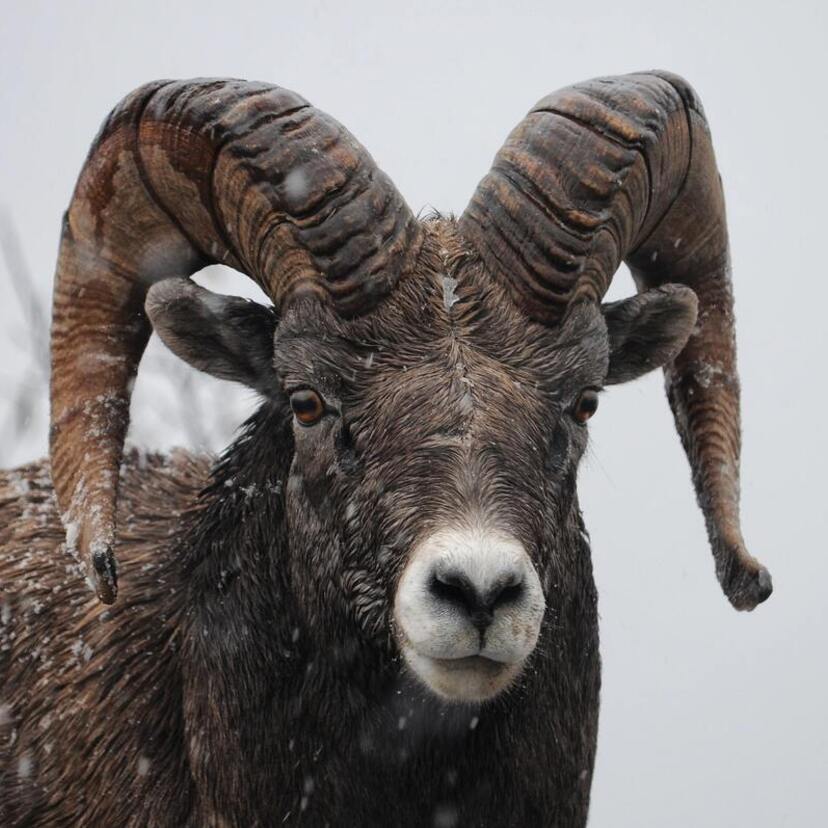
(709, 717)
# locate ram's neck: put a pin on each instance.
(232, 549)
(256, 692)
(236, 524)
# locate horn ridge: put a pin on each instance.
(182, 174)
(622, 169)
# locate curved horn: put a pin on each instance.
(181, 175)
(623, 169)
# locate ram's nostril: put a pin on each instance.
(455, 588)
(509, 593)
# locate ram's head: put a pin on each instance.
(439, 375)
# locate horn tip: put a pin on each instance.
(92, 548)
(745, 582)
(104, 572)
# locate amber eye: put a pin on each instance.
(586, 405)
(307, 406)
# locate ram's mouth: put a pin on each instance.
(485, 665)
(468, 679)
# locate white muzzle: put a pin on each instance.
(468, 611)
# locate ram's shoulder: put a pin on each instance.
(148, 480)
(155, 489)
(27, 504)
(160, 483)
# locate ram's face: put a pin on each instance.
(436, 448)
(430, 501)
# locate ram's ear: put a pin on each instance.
(648, 331)
(226, 336)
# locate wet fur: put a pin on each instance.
(248, 674)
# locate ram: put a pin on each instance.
(377, 607)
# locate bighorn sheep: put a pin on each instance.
(377, 608)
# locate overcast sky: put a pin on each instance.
(709, 717)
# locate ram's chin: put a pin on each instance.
(462, 680)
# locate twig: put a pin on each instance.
(24, 288)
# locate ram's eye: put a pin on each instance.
(307, 406)
(586, 405)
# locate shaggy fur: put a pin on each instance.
(249, 673)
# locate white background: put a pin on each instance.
(709, 717)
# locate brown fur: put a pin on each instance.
(90, 696)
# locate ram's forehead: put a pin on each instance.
(430, 322)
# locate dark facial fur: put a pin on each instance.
(443, 405)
